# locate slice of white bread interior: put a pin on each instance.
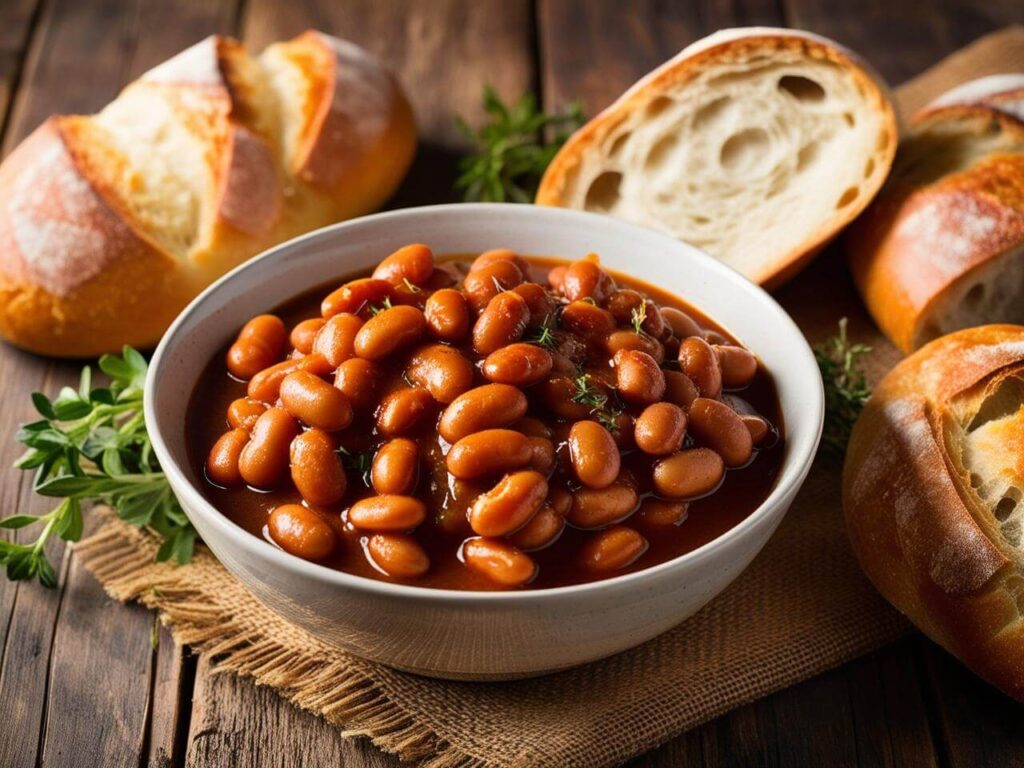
(757, 145)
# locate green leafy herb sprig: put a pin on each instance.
(600, 407)
(846, 388)
(91, 445)
(510, 153)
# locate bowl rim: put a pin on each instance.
(801, 454)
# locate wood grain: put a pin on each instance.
(85, 696)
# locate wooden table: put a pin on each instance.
(82, 681)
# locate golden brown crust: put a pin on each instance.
(922, 533)
(84, 268)
(683, 68)
(924, 236)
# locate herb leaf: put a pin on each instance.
(92, 446)
(510, 153)
(846, 388)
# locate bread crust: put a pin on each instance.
(82, 273)
(923, 240)
(734, 45)
(924, 536)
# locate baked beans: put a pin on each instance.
(492, 422)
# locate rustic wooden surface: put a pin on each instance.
(81, 682)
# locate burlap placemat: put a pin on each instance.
(801, 608)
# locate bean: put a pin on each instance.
(738, 365)
(561, 365)
(260, 343)
(679, 389)
(700, 363)
(598, 507)
(556, 277)
(638, 377)
(715, 339)
(612, 549)
(758, 428)
(388, 512)
(653, 322)
(441, 370)
(414, 263)
(243, 412)
(396, 467)
(640, 342)
(509, 505)
(265, 386)
(660, 429)
(518, 364)
(314, 402)
(489, 452)
(447, 315)
(397, 555)
(502, 322)
(543, 459)
(595, 456)
(498, 561)
(541, 531)
(683, 326)
(301, 532)
(720, 427)
(559, 394)
(560, 501)
(585, 279)
(402, 410)
(484, 407)
(357, 295)
(316, 468)
(358, 379)
(264, 460)
(532, 427)
(222, 463)
(388, 331)
(621, 426)
(660, 513)
(539, 301)
(689, 474)
(487, 258)
(586, 319)
(302, 335)
(482, 285)
(440, 278)
(625, 304)
(336, 341)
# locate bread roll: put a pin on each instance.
(757, 145)
(111, 223)
(940, 248)
(933, 493)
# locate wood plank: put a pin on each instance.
(234, 722)
(80, 56)
(903, 37)
(170, 702)
(443, 52)
(17, 18)
(977, 726)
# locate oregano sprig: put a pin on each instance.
(846, 388)
(91, 445)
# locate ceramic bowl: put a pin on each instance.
(482, 635)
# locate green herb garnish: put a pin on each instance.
(409, 286)
(588, 394)
(359, 462)
(91, 446)
(510, 154)
(609, 419)
(846, 388)
(638, 316)
(544, 337)
(376, 309)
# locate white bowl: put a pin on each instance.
(481, 635)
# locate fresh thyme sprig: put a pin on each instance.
(600, 407)
(91, 446)
(510, 153)
(638, 316)
(360, 462)
(376, 309)
(846, 388)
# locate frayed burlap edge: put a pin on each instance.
(121, 557)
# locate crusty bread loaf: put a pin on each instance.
(933, 494)
(757, 145)
(940, 248)
(110, 223)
